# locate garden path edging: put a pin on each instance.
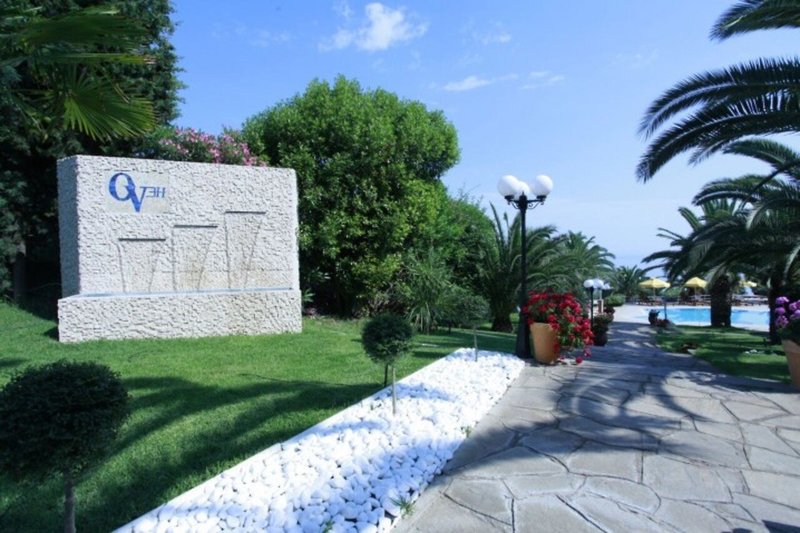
(355, 470)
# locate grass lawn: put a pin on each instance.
(200, 406)
(738, 352)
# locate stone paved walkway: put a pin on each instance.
(634, 439)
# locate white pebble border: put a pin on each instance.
(352, 471)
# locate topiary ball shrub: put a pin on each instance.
(59, 419)
(386, 338)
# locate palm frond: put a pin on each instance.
(751, 15)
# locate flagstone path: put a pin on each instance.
(634, 439)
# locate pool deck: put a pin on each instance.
(637, 314)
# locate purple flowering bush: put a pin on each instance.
(188, 144)
(787, 318)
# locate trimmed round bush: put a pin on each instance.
(386, 338)
(59, 418)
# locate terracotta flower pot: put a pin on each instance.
(544, 340)
(792, 350)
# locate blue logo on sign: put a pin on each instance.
(135, 197)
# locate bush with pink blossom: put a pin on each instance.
(188, 144)
(787, 318)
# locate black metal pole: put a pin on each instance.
(523, 332)
(591, 307)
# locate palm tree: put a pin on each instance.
(756, 98)
(625, 280)
(766, 236)
(66, 57)
(584, 259)
(499, 267)
(696, 254)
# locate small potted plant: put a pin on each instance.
(600, 324)
(787, 323)
(557, 325)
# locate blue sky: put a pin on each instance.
(532, 87)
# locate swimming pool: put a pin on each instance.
(701, 316)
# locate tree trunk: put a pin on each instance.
(385, 375)
(502, 323)
(20, 265)
(475, 341)
(775, 288)
(394, 393)
(720, 293)
(69, 503)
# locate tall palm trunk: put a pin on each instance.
(775, 289)
(721, 302)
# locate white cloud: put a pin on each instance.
(637, 60)
(542, 78)
(383, 28)
(264, 38)
(494, 36)
(473, 82)
(342, 7)
(260, 38)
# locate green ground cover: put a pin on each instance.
(738, 352)
(200, 406)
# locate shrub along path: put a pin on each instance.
(634, 439)
(200, 406)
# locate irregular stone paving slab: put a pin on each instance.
(603, 460)
(548, 513)
(616, 436)
(624, 492)
(765, 511)
(696, 446)
(690, 517)
(517, 461)
(725, 431)
(774, 487)
(522, 487)
(761, 459)
(634, 439)
(490, 498)
(446, 516)
(600, 393)
(608, 516)
(553, 442)
(750, 412)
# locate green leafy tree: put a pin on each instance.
(720, 107)
(59, 420)
(368, 167)
(386, 338)
(586, 259)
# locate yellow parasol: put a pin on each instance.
(696, 283)
(654, 283)
(750, 284)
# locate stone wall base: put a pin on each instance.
(179, 315)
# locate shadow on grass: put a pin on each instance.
(280, 409)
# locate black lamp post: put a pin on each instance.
(516, 194)
(590, 285)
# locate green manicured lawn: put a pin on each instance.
(200, 406)
(727, 349)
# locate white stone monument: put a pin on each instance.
(156, 249)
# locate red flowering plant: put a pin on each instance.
(564, 314)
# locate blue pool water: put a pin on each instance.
(702, 315)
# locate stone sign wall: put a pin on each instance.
(174, 249)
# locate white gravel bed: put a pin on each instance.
(355, 470)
